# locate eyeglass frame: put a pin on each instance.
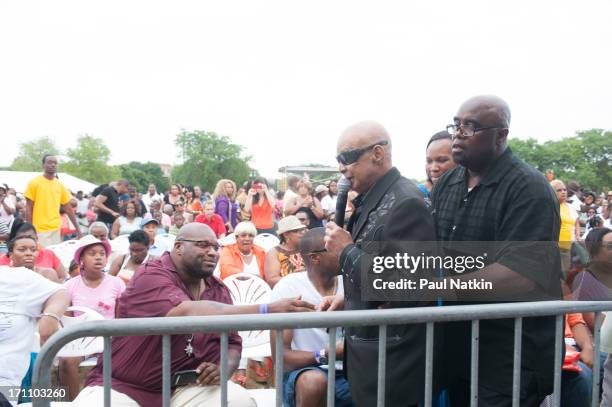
(474, 129)
(198, 243)
(358, 152)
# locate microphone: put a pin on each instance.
(344, 186)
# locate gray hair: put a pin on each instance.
(245, 227)
(98, 225)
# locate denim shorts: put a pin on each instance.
(343, 393)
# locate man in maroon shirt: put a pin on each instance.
(180, 283)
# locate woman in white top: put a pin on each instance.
(125, 266)
(27, 296)
(129, 220)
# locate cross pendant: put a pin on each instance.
(189, 349)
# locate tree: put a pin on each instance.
(31, 153)
(142, 174)
(89, 161)
(585, 157)
(207, 158)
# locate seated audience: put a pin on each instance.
(260, 204)
(210, 218)
(129, 220)
(93, 289)
(180, 209)
(193, 203)
(595, 283)
(4, 235)
(177, 223)
(224, 198)
(177, 284)
(306, 351)
(328, 203)
(577, 380)
(23, 252)
(305, 202)
(45, 258)
(152, 229)
(285, 258)
(99, 230)
(439, 160)
(35, 298)
(126, 265)
(164, 220)
(242, 256)
(68, 230)
(173, 196)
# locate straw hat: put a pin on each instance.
(289, 223)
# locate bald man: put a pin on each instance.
(495, 197)
(388, 210)
(180, 283)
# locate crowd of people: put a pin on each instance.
(476, 190)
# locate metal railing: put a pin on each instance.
(381, 317)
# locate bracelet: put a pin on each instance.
(263, 308)
(49, 314)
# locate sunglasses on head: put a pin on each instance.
(348, 157)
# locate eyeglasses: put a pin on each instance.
(202, 244)
(348, 157)
(468, 129)
(319, 251)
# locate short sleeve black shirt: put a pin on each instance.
(112, 202)
(513, 203)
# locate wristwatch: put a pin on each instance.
(321, 357)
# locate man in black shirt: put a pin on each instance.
(107, 202)
(495, 197)
(389, 210)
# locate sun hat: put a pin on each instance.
(320, 188)
(87, 241)
(288, 224)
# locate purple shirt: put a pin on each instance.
(586, 287)
(137, 360)
(222, 205)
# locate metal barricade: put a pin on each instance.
(380, 317)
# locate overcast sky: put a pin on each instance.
(284, 78)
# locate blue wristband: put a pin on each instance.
(263, 308)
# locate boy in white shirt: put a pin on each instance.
(306, 350)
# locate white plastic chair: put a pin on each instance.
(65, 251)
(166, 240)
(227, 240)
(82, 346)
(120, 244)
(266, 241)
(248, 289)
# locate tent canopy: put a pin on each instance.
(19, 180)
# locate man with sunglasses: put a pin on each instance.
(180, 283)
(495, 197)
(388, 210)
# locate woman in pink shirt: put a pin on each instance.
(93, 289)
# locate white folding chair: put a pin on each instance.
(64, 251)
(266, 241)
(247, 289)
(120, 244)
(166, 240)
(82, 346)
(227, 240)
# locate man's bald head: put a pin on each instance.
(493, 107)
(195, 231)
(363, 134)
(370, 146)
(195, 252)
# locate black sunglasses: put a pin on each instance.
(348, 157)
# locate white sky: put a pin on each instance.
(284, 78)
